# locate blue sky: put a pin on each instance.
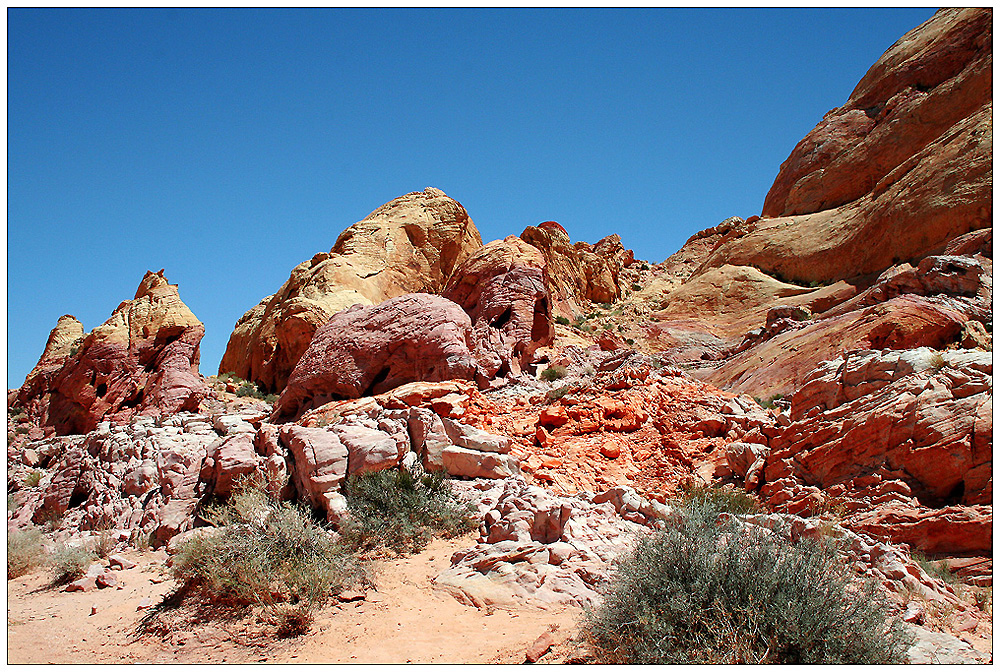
(226, 146)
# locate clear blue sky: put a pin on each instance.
(227, 146)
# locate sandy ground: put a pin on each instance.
(403, 619)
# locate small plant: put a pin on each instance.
(701, 591)
(16, 413)
(630, 341)
(636, 287)
(769, 402)
(69, 563)
(74, 350)
(935, 568)
(937, 361)
(557, 393)
(560, 319)
(266, 553)
(105, 544)
(553, 373)
(644, 267)
(399, 510)
(716, 500)
(33, 478)
(24, 551)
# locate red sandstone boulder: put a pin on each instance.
(143, 359)
(366, 350)
(503, 287)
(411, 244)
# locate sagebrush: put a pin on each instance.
(264, 553)
(24, 551)
(400, 510)
(703, 592)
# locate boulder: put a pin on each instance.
(320, 461)
(413, 243)
(368, 350)
(143, 359)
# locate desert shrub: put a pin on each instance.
(33, 478)
(16, 413)
(935, 568)
(557, 393)
(24, 551)
(630, 341)
(644, 267)
(700, 592)
(69, 563)
(562, 320)
(769, 402)
(266, 553)
(105, 544)
(554, 373)
(636, 287)
(400, 510)
(716, 500)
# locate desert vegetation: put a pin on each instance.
(704, 592)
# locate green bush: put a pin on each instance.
(557, 393)
(33, 478)
(716, 500)
(562, 320)
(24, 551)
(266, 553)
(701, 592)
(554, 373)
(399, 510)
(69, 563)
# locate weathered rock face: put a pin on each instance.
(368, 350)
(411, 244)
(579, 272)
(891, 436)
(504, 288)
(780, 364)
(143, 359)
(898, 171)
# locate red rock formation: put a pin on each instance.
(503, 287)
(579, 272)
(411, 244)
(368, 350)
(143, 359)
(903, 167)
(890, 436)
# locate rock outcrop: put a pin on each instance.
(895, 173)
(579, 272)
(504, 288)
(411, 244)
(368, 350)
(899, 442)
(143, 359)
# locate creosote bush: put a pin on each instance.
(264, 553)
(400, 510)
(24, 551)
(554, 373)
(703, 592)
